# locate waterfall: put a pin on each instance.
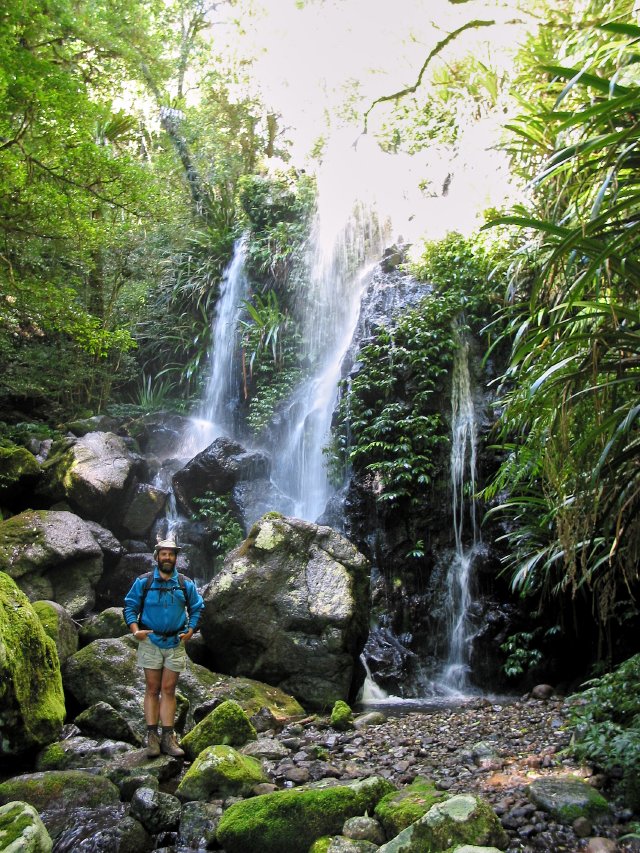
(220, 397)
(454, 674)
(346, 238)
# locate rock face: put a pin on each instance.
(52, 555)
(92, 473)
(21, 829)
(31, 699)
(218, 469)
(290, 607)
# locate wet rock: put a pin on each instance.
(542, 691)
(567, 798)
(156, 811)
(364, 829)
(198, 823)
(103, 720)
(218, 469)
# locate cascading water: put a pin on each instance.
(346, 237)
(464, 436)
(216, 413)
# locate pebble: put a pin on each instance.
(513, 743)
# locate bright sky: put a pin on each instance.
(308, 60)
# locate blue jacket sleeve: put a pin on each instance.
(196, 604)
(132, 602)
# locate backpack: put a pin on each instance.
(149, 580)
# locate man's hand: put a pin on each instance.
(184, 638)
(142, 634)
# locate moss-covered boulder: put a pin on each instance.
(58, 625)
(32, 705)
(59, 789)
(341, 716)
(220, 771)
(462, 819)
(340, 844)
(22, 831)
(293, 820)
(290, 606)
(227, 724)
(52, 555)
(567, 798)
(253, 696)
(398, 810)
(19, 471)
(105, 625)
(92, 473)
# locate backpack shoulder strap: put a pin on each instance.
(148, 576)
(183, 586)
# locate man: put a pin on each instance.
(162, 611)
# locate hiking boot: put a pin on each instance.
(169, 745)
(153, 745)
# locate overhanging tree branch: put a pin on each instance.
(436, 50)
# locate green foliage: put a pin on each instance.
(569, 412)
(606, 717)
(390, 422)
(525, 650)
(278, 212)
(226, 531)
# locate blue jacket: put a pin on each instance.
(165, 608)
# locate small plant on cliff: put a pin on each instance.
(216, 511)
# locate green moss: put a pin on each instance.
(62, 788)
(53, 758)
(32, 706)
(341, 716)
(220, 771)
(15, 463)
(400, 809)
(293, 820)
(227, 724)
(14, 533)
(321, 845)
(13, 823)
(48, 616)
(253, 695)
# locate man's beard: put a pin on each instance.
(166, 567)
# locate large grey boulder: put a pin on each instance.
(145, 505)
(290, 607)
(218, 469)
(52, 555)
(92, 473)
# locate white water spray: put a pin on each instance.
(215, 417)
(464, 436)
(347, 237)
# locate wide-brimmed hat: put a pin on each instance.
(165, 543)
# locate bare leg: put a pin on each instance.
(153, 681)
(168, 697)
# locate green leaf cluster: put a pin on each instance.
(391, 422)
(606, 717)
(225, 529)
(568, 488)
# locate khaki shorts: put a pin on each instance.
(150, 656)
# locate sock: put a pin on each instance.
(167, 730)
(153, 729)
